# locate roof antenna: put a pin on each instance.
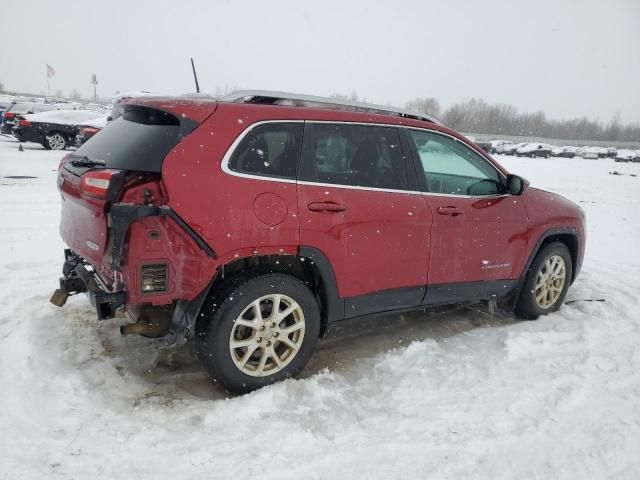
(195, 77)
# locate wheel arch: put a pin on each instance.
(566, 235)
(572, 243)
(310, 266)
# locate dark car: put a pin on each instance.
(535, 150)
(53, 130)
(564, 152)
(252, 222)
(17, 110)
(510, 149)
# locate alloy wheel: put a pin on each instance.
(57, 142)
(550, 281)
(267, 335)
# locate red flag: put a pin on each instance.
(50, 71)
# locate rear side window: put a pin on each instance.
(138, 140)
(270, 150)
(357, 155)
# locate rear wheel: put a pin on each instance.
(547, 282)
(264, 329)
(56, 141)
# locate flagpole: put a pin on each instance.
(48, 94)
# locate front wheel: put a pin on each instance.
(547, 281)
(258, 330)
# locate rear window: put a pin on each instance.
(138, 140)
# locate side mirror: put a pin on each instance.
(516, 184)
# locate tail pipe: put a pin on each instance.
(150, 323)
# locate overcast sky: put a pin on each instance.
(567, 58)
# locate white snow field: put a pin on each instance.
(443, 394)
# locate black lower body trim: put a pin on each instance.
(469, 291)
(386, 300)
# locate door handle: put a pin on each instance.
(328, 207)
(450, 210)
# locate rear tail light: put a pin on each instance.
(96, 182)
(24, 123)
(8, 115)
(89, 130)
(153, 278)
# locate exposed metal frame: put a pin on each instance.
(267, 97)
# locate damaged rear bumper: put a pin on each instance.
(79, 277)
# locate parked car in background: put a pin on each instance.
(535, 150)
(591, 153)
(224, 231)
(90, 128)
(581, 150)
(4, 106)
(566, 152)
(486, 146)
(497, 146)
(510, 149)
(54, 130)
(626, 155)
(557, 151)
(602, 151)
(17, 110)
(611, 152)
(569, 152)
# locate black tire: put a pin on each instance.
(220, 313)
(533, 155)
(527, 307)
(57, 141)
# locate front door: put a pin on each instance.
(355, 207)
(478, 232)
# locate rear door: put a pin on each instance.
(478, 230)
(356, 207)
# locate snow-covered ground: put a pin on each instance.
(446, 394)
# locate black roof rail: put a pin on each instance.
(266, 97)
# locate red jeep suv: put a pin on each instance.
(251, 222)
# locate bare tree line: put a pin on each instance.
(477, 116)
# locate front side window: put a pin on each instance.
(452, 168)
(270, 150)
(356, 155)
